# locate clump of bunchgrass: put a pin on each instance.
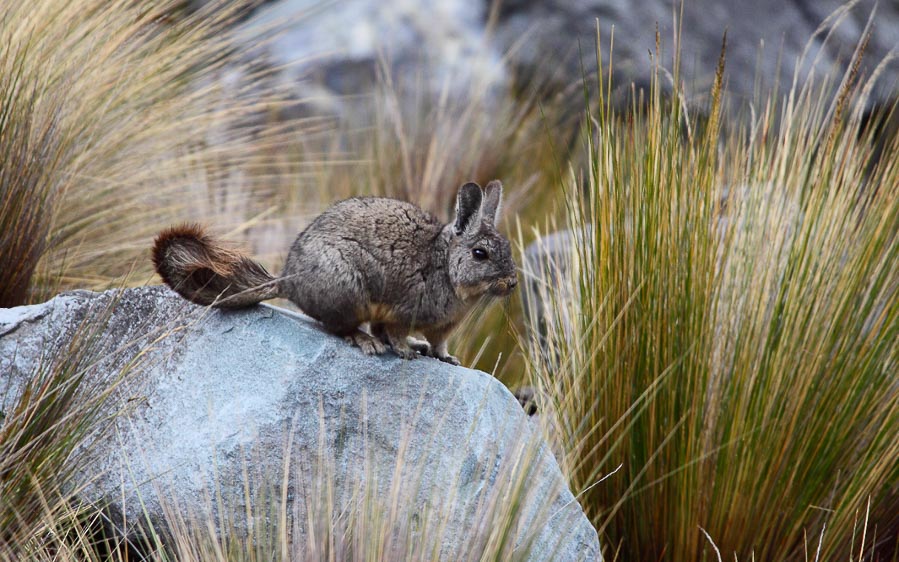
(725, 324)
(114, 125)
(51, 415)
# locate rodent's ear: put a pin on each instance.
(468, 203)
(493, 201)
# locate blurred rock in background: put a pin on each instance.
(765, 39)
(328, 54)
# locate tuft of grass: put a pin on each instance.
(48, 424)
(113, 124)
(30, 150)
(726, 326)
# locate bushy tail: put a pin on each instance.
(203, 271)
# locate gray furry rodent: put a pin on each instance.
(364, 260)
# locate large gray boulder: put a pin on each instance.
(215, 400)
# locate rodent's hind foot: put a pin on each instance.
(426, 349)
(368, 344)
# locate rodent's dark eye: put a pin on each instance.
(479, 254)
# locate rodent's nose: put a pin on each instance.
(513, 282)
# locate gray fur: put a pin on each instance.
(395, 266)
(389, 264)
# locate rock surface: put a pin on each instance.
(220, 395)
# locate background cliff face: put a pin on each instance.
(329, 50)
(765, 39)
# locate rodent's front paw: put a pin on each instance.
(450, 359)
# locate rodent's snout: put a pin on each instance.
(504, 287)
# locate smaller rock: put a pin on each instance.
(546, 266)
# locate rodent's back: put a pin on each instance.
(388, 230)
(364, 249)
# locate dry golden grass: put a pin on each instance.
(115, 124)
(727, 328)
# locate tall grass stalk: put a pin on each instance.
(726, 325)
